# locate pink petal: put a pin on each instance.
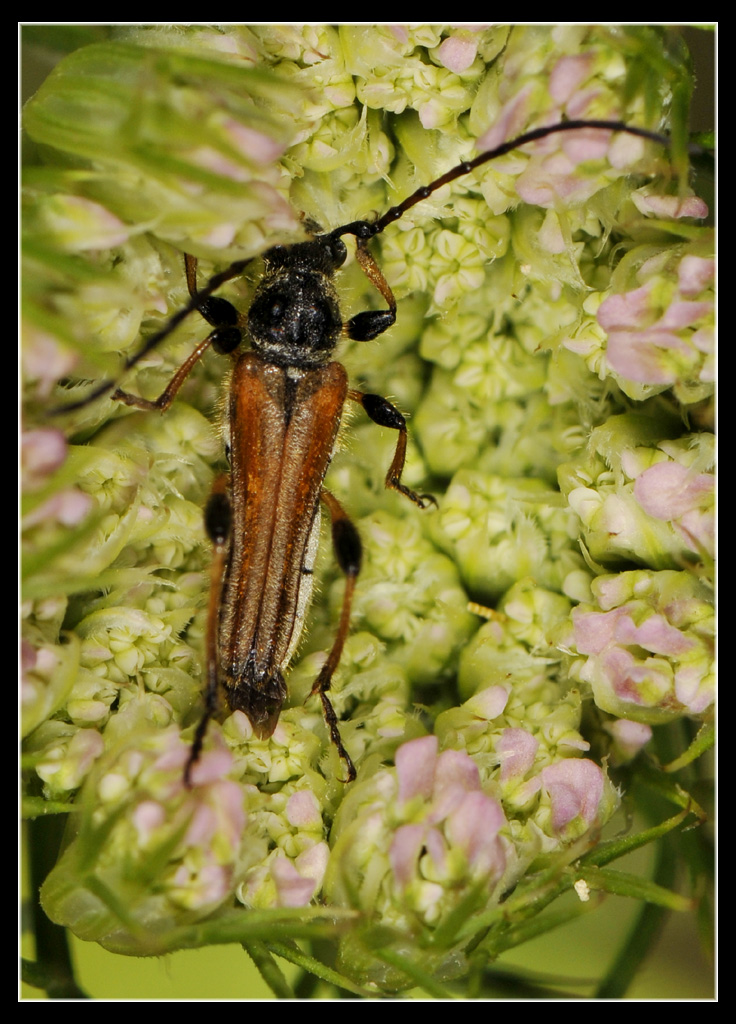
(594, 631)
(627, 677)
(457, 54)
(488, 703)
(302, 810)
(406, 846)
(147, 816)
(670, 207)
(655, 634)
(456, 768)
(695, 273)
(212, 766)
(474, 827)
(202, 826)
(586, 144)
(641, 356)
(683, 314)
(517, 749)
(416, 763)
(509, 122)
(43, 451)
(575, 787)
(630, 736)
(292, 888)
(568, 75)
(312, 863)
(631, 309)
(668, 490)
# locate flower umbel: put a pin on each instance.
(553, 355)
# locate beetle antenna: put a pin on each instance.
(364, 229)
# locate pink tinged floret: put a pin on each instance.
(99, 228)
(218, 812)
(302, 810)
(568, 75)
(695, 274)
(586, 144)
(219, 236)
(416, 763)
(473, 827)
(86, 746)
(254, 145)
(293, 889)
(509, 121)
(630, 309)
(213, 883)
(228, 799)
(147, 817)
(704, 341)
(45, 360)
(683, 314)
(68, 508)
(489, 703)
(211, 766)
(625, 150)
(208, 886)
(555, 177)
(575, 788)
(648, 682)
(29, 657)
(654, 634)
(42, 452)
(406, 846)
(457, 53)
(457, 774)
(644, 356)
(456, 768)
(595, 631)
(579, 105)
(516, 749)
(202, 826)
(409, 844)
(668, 490)
(670, 207)
(174, 757)
(630, 736)
(312, 863)
(399, 32)
(698, 529)
(693, 688)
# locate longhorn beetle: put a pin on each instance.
(284, 406)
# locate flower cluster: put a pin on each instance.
(416, 839)
(659, 334)
(641, 496)
(646, 645)
(554, 310)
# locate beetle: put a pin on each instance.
(284, 405)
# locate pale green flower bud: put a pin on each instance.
(64, 756)
(501, 531)
(410, 597)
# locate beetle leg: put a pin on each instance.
(217, 519)
(386, 415)
(368, 325)
(225, 337)
(348, 550)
